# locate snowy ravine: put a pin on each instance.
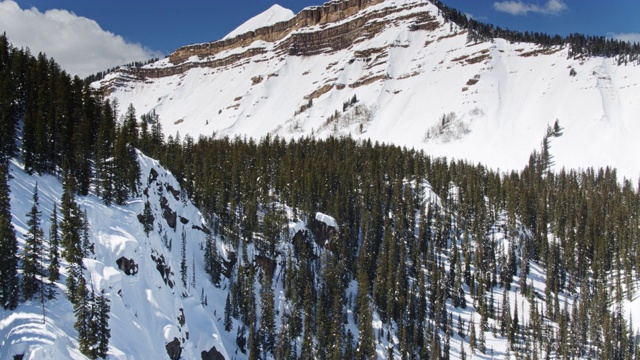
(146, 310)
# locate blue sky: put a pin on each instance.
(159, 27)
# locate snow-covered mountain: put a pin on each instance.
(394, 71)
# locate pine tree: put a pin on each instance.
(9, 284)
(254, 344)
(8, 108)
(71, 224)
(267, 330)
(86, 238)
(126, 171)
(104, 153)
(33, 271)
(227, 313)
(82, 309)
(101, 321)
(147, 218)
(481, 337)
(307, 338)
(54, 243)
(366, 342)
(183, 260)
(472, 336)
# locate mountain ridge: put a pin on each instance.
(408, 67)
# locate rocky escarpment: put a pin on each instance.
(320, 15)
(323, 29)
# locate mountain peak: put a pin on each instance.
(272, 15)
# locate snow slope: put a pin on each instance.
(502, 96)
(145, 309)
(272, 15)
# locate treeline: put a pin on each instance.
(579, 44)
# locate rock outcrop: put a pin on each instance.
(128, 266)
(327, 28)
(212, 354)
(174, 349)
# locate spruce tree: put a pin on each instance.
(33, 271)
(101, 321)
(53, 269)
(227, 314)
(71, 224)
(9, 284)
(8, 106)
(126, 169)
(267, 330)
(104, 154)
(86, 238)
(82, 308)
(54, 251)
(147, 218)
(183, 259)
(472, 336)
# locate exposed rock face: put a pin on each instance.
(212, 354)
(163, 268)
(302, 244)
(323, 232)
(127, 265)
(319, 15)
(153, 175)
(291, 37)
(174, 350)
(169, 215)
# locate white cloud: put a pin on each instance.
(551, 7)
(78, 44)
(630, 37)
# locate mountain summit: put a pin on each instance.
(274, 14)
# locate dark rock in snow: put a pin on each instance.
(212, 354)
(127, 265)
(174, 192)
(169, 215)
(163, 269)
(324, 231)
(181, 318)
(153, 175)
(174, 350)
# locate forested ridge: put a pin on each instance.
(429, 267)
(579, 44)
